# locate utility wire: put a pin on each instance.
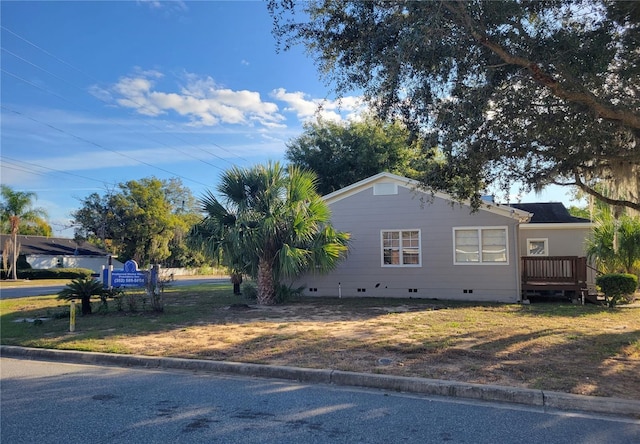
(97, 81)
(22, 169)
(115, 123)
(100, 146)
(17, 162)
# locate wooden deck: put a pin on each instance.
(550, 275)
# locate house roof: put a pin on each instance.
(53, 246)
(503, 210)
(549, 213)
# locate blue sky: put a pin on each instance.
(98, 93)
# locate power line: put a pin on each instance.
(100, 146)
(146, 122)
(97, 81)
(47, 53)
(22, 169)
(87, 109)
(51, 169)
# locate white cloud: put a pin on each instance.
(309, 109)
(201, 100)
(101, 94)
(205, 103)
(165, 5)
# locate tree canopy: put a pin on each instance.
(512, 92)
(146, 220)
(615, 242)
(343, 153)
(17, 210)
(32, 220)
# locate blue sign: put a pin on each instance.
(129, 276)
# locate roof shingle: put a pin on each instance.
(53, 246)
(548, 213)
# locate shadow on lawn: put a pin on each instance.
(589, 365)
(602, 363)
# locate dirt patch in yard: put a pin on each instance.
(589, 350)
(582, 350)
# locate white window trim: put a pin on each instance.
(479, 230)
(538, 239)
(419, 264)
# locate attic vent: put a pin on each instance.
(385, 189)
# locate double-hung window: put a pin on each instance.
(401, 248)
(480, 245)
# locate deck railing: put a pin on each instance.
(550, 270)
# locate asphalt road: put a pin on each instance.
(49, 402)
(8, 292)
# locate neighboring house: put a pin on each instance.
(51, 252)
(407, 242)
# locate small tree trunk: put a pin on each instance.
(236, 279)
(15, 224)
(266, 287)
(86, 305)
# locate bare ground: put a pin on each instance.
(588, 352)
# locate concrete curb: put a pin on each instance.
(494, 393)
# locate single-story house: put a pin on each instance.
(53, 252)
(409, 242)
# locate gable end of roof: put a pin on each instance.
(415, 186)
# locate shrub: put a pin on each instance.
(55, 273)
(250, 292)
(22, 264)
(83, 289)
(285, 293)
(616, 286)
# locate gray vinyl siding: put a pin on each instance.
(561, 241)
(362, 274)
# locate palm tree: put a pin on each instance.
(274, 225)
(16, 208)
(83, 289)
(600, 246)
(615, 244)
(215, 237)
(629, 244)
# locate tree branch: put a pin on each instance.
(615, 202)
(539, 75)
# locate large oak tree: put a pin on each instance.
(145, 220)
(342, 153)
(529, 92)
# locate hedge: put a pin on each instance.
(53, 273)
